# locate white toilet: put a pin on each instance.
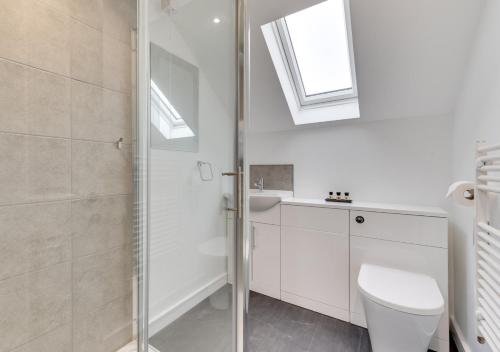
(402, 309)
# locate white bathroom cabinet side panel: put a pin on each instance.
(428, 260)
(315, 266)
(265, 262)
(424, 230)
(271, 216)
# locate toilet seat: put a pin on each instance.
(400, 290)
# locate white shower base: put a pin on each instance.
(132, 347)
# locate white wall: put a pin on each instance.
(400, 161)
(186, 212)
(477, 118)
(406, 76)
(401, 73)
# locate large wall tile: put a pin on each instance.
(48, 38)
(119, 19)
(57, 340)
(117, 65)
(99, 279)
(36, 34)
(105, 329)
(48, 107)
(86, 53)
(13, 98)
(13, 29)
(117, 114)
(41, 111)
(34, 236)
(63, 6)
(100, 114)
(89, 12)
(100, 224)
(101, 168)
(34, 169)
(86, 106)
(34, 304)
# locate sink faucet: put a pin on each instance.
(260, 184)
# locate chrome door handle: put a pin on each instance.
(253, 237)
(230, 173)
(253, 247)
(239, 191)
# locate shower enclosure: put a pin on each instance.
(118, 229)
(191, 289)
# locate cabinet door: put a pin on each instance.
(315, 270)
(265, 270)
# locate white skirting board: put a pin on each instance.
(458, 336)
(169, 315)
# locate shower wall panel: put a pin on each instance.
(66, 256)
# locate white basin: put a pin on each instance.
(263, 202)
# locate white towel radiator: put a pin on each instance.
(487, 244)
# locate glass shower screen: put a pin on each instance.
(192, 107)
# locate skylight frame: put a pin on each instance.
(177, 127)
(290, 60)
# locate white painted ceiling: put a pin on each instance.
(410, 55)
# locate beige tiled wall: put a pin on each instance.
(65, 205)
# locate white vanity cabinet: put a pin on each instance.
(310, 253)
(265, 257)
(315, 259)
(265, 261)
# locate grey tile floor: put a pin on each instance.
(276, 326)
(273, 326)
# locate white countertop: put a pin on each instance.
(270, 192)
(367, 206)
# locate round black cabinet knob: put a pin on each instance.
(360, 219)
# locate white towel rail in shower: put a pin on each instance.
(487, 244)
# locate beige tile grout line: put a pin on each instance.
(36, 337)
(68, 199)
(45, 268)
(24, 134)
(126, 93)
(71, 237)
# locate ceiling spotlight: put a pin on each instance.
(216, 20)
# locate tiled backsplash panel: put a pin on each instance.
(276, 177)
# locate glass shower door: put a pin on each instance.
(193, 204)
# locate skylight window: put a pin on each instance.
(313, 55)
(165, 117)
(318, 36)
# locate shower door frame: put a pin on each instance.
(142, 181)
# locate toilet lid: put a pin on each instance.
(401, 290)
